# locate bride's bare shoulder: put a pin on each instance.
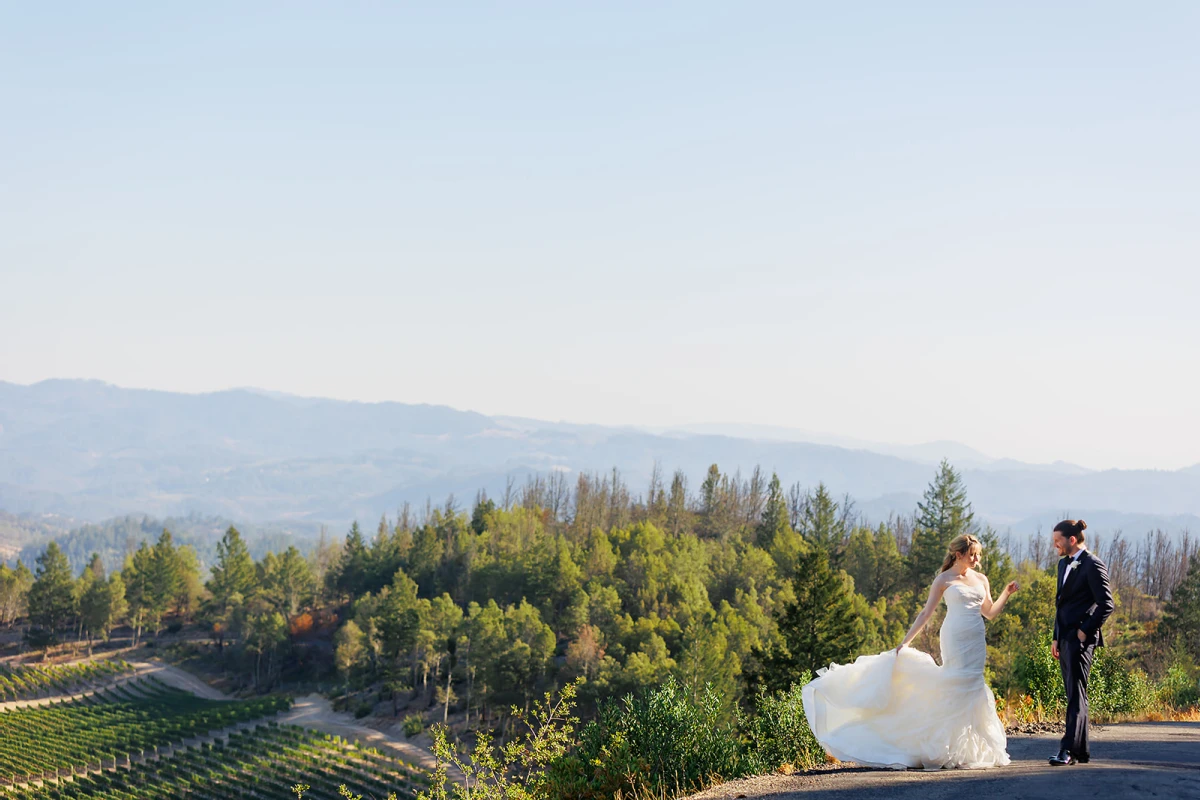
(980, 580)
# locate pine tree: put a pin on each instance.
(775, 515)
(711, 502)
(167, 579)
(348, 578)
(677, 510)
(820, 523)
(232, 582)
(817, 628)
(136, 573)
(287, 581)
(101, 606)
(52, 596)
(942, 514)
(1181, 617)
(995, 562)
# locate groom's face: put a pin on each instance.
(1062, 544)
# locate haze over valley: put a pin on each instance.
(85, 451)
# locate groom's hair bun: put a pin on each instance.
(1072, 527)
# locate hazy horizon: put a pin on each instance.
(903, 224)
(845, 439)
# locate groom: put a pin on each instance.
(1083, 601)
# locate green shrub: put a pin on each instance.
(1039, 676)
(1179, 688)
(363, 709)
(663, 742)
(777, 732)
(1116, 688)
(413, 725)
(518, 770)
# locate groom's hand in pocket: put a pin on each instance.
(1054, 648)
(1082, 635)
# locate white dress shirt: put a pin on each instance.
(1074, 563)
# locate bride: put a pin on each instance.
(899, 709)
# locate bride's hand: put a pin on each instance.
(1012, 587)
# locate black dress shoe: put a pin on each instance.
(1082, 759)
(1063, 759)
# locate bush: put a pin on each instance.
(777, 733)
(40, 638)
(1179, 688)
(363, 709)
(1039, 676)
(519, 769)
(413, 725)
(664, 742)
(1116, 688)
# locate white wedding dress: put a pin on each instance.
(901, 711)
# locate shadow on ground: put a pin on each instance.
(1140, 760)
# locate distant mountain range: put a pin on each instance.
(89, 450)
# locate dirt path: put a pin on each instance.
(1134, 760)
(312, 711)
(180, 679)
(315, 711)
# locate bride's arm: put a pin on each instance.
(935, 595)
(991, 609)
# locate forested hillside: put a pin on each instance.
(115, 539)
(720, 598)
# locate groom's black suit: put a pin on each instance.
(1083, 602)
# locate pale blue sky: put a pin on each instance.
(897, 221)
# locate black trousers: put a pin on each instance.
(1075, 660)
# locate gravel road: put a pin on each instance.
(1133, 760)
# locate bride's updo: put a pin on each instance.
(962, 545)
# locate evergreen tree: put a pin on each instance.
(942, 514)
(677, 510)
(231, 583)
(995, 562)
(821, 525)
(479, 516)
(349, 578)
(775, 515)
(1181, 618)
(168, 579)
(859, 561)
(137, 573)
(287, 581)
(711, 500)
(815, 629)
(102, 606)
(52, 596)
(95, 568)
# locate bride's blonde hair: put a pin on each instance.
(964, 544)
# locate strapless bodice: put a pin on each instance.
(962, 598)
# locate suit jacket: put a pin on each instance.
(1085, 600)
